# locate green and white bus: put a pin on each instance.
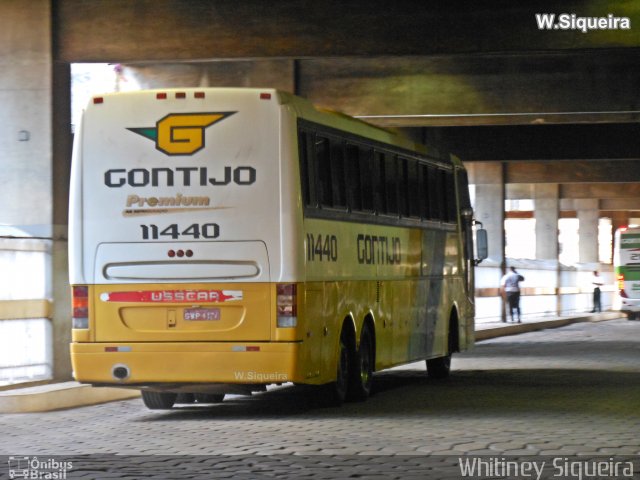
(626, 264)
(222, 240)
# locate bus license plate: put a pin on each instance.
(201, 314)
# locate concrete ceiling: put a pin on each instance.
(479, 77)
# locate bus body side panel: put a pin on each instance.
(627, 268)
(405, 279)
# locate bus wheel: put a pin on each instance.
(362, 373)
(158, 400)
(337, 391)
(185, 398)
(209, 397)
(439, 368)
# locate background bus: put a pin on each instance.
(626, 263)
(225, 239)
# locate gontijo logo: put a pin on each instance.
(181, 133)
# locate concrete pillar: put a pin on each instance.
(279, 74)
(62, 140)
(488, 178)
(546, 213)
(588, 215)
(26, 178)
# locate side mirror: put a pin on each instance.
(482, 245)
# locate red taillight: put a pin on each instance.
(80, 306)
(181, 95)
(265, 96)
(287, 304)
(620, 282)
(161, 96)
(98, 100)
(198, 94)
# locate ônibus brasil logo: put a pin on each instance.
(181, 133)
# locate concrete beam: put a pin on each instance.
(626, 193)
(458, 91)
(129, 30)
(620, 204)
(576, 171)
(600, 190)
(272, 73)
(543, 142)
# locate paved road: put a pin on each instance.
(557, 393)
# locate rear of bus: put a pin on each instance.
(626, 260)
(183, 240)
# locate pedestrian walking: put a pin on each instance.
(510, 285)
(596, 282)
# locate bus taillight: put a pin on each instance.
(620, 280)
(80, 306)
(287, 305)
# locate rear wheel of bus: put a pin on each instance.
(440, 367)
(158, 400)
(336, 392)
(361, 377)
(209, 397)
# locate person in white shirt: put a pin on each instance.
(596, 281)
(510, 285)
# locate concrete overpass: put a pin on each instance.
(549, 115)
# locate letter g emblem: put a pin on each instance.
(183, 134)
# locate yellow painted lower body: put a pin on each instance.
(209, 362)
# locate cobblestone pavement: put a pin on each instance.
(562, 392)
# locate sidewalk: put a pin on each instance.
(56, 396)
(487, 330)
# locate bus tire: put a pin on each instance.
(185, 398)
(361, 378)
(209, 397)
(439, 368)
(337, 391)
(158, 400)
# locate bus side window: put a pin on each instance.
(352, 173)
(414, 188)
(366, 178)
(338, 173)
(307, 168)
(435, 193)
(450, 194)
(403, 186)
(424, 191)
(379, 186)
(323, 171)
(391, 181)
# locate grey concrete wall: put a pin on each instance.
(25, 115)
(32, 192)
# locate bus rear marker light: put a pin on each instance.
(245, 348)
(117, 349)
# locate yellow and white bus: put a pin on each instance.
(222, 240)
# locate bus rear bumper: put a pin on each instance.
(630, 305)
(145, 364)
